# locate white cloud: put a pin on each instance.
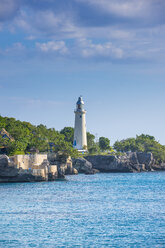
(53, 46)
(107, 49)
(113, 29)
(47, 24)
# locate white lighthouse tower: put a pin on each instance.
(80, 135)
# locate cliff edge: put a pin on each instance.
(130, 162)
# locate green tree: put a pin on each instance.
(95, 149)
(27, 136)
(90, 140)
(68, 132)
(4, 142)
(16, 147)
(142, 143)
(126, 145)
(104, 143)
(2, 122)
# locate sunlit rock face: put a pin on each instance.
(13, 172)
(64, 164)
(83, 166)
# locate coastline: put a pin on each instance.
(52, 167)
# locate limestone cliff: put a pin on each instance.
(64, 164)
(57, 166)
(130, 162)
(83, 166)
(10, 172)
(37, 167)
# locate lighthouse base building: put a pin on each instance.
(80, 135)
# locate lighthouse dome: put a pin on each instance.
(80, 101)
(80, 104)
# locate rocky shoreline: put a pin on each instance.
(130, 162)
(56, 166)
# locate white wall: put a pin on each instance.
(28, 161)
(80, 135)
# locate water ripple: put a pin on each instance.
(102, 210)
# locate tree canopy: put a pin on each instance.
(68, 132)
(104, 143)
(142, 143)
(90, 140)
(29, 136)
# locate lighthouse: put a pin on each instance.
(80, 135)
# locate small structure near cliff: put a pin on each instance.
(28, 161)
(6, 135)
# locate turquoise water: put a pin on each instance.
(102, 210)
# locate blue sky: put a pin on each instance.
(110, 51)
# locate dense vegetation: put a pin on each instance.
(27, 136)
(104, 143)
(94, 147)
(142, 143)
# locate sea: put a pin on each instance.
(101, 210)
